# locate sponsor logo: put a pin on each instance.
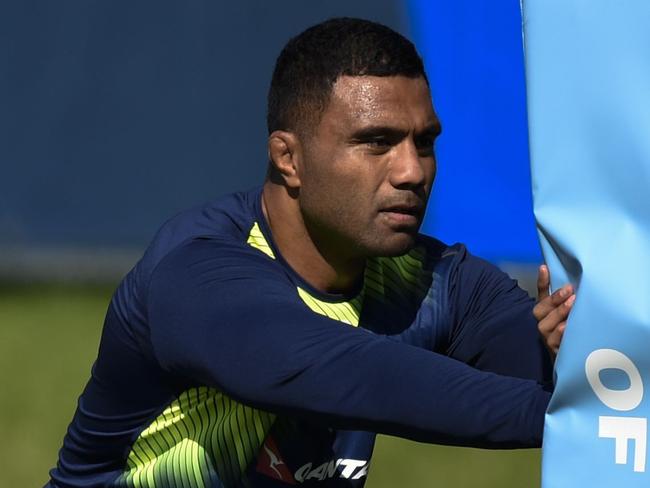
(353, 469)
(271, 464)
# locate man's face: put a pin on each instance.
(368, 166)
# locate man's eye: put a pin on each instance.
(425, 145)
(378, 143)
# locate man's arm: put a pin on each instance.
(225, 315)
(499, 328)
(494, 328)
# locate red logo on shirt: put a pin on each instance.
(271, 464)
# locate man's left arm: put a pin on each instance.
(497, 327)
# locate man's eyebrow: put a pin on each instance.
(375, 131)
(433, 129)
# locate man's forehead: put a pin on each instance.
(380, 97)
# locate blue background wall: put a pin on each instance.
(115, 115)
(474, 58)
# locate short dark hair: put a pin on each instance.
(311, 62)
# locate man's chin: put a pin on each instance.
(397, 244)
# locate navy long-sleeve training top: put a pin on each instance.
(219, 366)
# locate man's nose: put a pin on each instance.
(406, 169)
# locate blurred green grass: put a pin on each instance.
(48, 341)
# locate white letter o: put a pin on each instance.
(622, 400)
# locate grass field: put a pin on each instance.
(48, 340)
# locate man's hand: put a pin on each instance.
(553, 310)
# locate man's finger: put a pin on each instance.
(558, 315)
(548, 304)
(543, 282)
(555, 339)
(561, 295)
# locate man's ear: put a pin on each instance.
(285, 156)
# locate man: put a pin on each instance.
(264, 338)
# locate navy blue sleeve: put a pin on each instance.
(225, 315)
(494, 327)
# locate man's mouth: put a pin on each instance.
(404, 215)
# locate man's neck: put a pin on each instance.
(329, 271)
